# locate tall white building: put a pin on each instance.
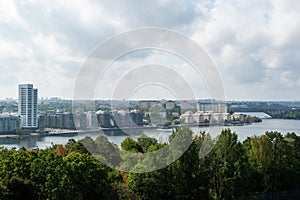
(27, 106)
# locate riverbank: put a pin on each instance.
(20, 136)
(67, 132)
(117, 136)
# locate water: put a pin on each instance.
(117, 137)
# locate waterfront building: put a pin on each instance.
(225, 117)
(238, 117)
(9, 124)
(136, 118)
(91, 118)
(80, 121)
(59, 120)
(216, 117)
(204, 117)
(188, 117)
(197, 117)
(68, 122)
(105, 120)
(41, 122)
(119, 118)
(27, 107)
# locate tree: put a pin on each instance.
(17, 188)
(145, 142)
(131, 145)
(107, 152)
(227, 167)
(46, 173)
(85, 178)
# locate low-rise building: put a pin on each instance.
(238, 117)
(188, 117)
(204, 117)
(225, 117)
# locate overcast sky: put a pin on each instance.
(254, 44)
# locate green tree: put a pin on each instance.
(107, 152)
(145, 142)
(131, 145)
(46, 173)
(78, 146)
(227, 167)
(85, 178)
(17, 188)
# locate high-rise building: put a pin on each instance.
(27, 106)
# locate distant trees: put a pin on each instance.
(220, 168)
(291, 114)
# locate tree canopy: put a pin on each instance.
(210, 168)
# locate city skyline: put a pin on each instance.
(57, 98)
(45, 43)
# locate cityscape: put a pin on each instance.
(26, 117)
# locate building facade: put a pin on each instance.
(186, 106)
(27, 107)
(9, 124)
(204, 117)
(59, 120)
(212, 107)
(148, 104)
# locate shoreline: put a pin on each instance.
(44, 141)
(64, 132)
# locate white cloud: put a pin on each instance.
(255, 44)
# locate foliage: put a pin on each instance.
(221, 168)
(291, 114)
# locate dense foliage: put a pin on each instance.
(260, 167)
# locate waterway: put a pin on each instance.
(118, 136)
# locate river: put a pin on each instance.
(117, 137)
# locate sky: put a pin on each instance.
(254, 44)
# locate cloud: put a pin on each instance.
(253, 43)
